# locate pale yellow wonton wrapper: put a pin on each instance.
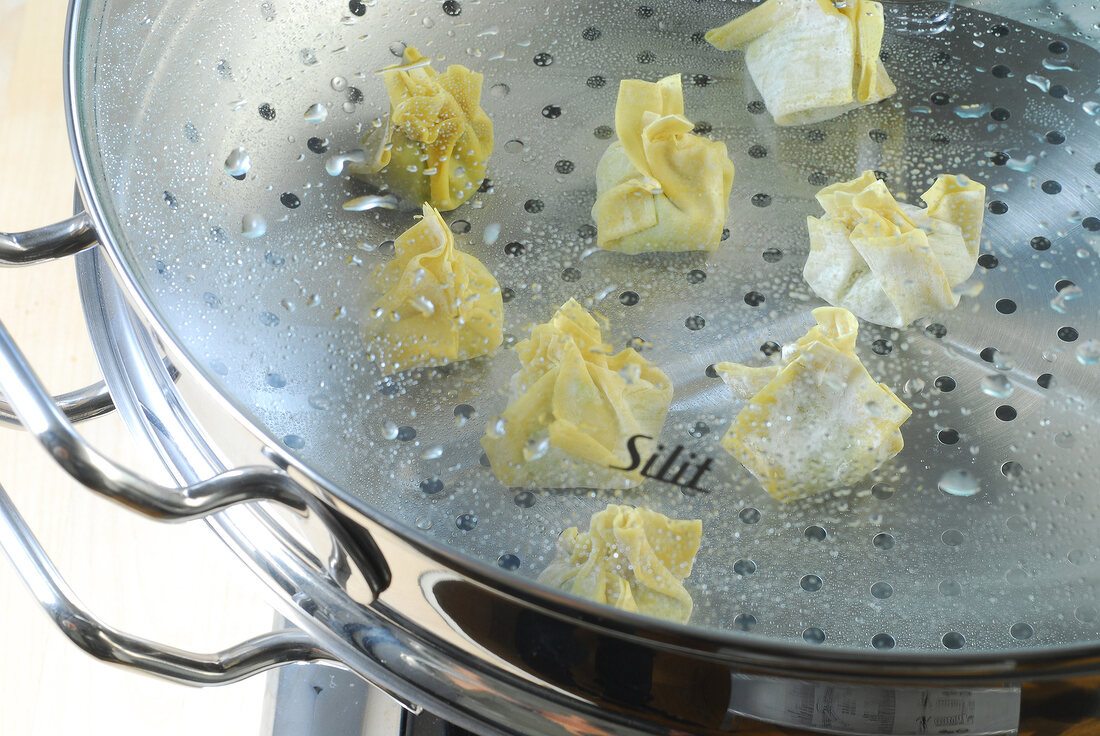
(437, 304)
(892, 263)
(573, 407)
(633, 559)
(818, 421)
(810, 60)
(436, 141)
(660, 187)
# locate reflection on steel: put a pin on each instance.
(110, 645)
(86, 403)
(77, 406)
(47, 243)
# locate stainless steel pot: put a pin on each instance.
(398, 582)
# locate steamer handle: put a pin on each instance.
(48, 243)
(351, 557)
(110, 645)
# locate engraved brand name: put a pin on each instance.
(663, 469)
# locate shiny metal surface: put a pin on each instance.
(85, 403)
(271, 321)
(47, 243)
(37, 412)
(315, 700)
(112, 646)
(58, 240)
(480, 651)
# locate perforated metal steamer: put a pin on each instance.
(965, 567)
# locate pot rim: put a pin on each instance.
(735, 649)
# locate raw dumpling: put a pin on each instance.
(438, 304)
(574, 407)
(437, 140)
(810, 59)
(892, 263)
(634, 559)
(818, 421)
(660, 187)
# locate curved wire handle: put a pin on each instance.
(61, 239)
(36, 246)
(86, 403)
(111, 645)
(349, 559)
(37, 412)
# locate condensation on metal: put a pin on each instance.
(1005, 568)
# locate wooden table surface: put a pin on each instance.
(178, 585)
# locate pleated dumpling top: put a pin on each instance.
(437, 304)
(574, 405)
(633, 559)
(817, 421)
(888, 262)
(435, 144)
(660, 187)
(810, 59)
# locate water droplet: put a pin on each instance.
(913, 386)
(1003, 361)
(533, 450)
(294, 442)
(253, 226)
(389, 430)
(1039, 81)
(1024, 165)
(1059, 65)
(1065, 294)
(1088, 352)
(971, 288)
(1091, 107)
(492, 232)
(432, 453)
(500, 90)
(238, 162)
(975, 110)
(371, 202)
(997, 386)
(424, 305)
(319, 401)
(317, 113)
(423, 522)
(334, 165)
(959, 483)
(339, 83)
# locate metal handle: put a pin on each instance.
(36, 246)
(350, 561)
(37, 412)
(61, 239)
(77, 406)
(110, 645)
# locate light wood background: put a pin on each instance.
(178, 585)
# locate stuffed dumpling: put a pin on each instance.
(573, 407)
(434, 145)
(660, 187)
(437, 304)
(891, 263)
(633, 559)
(811, 59)
(818, 421)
